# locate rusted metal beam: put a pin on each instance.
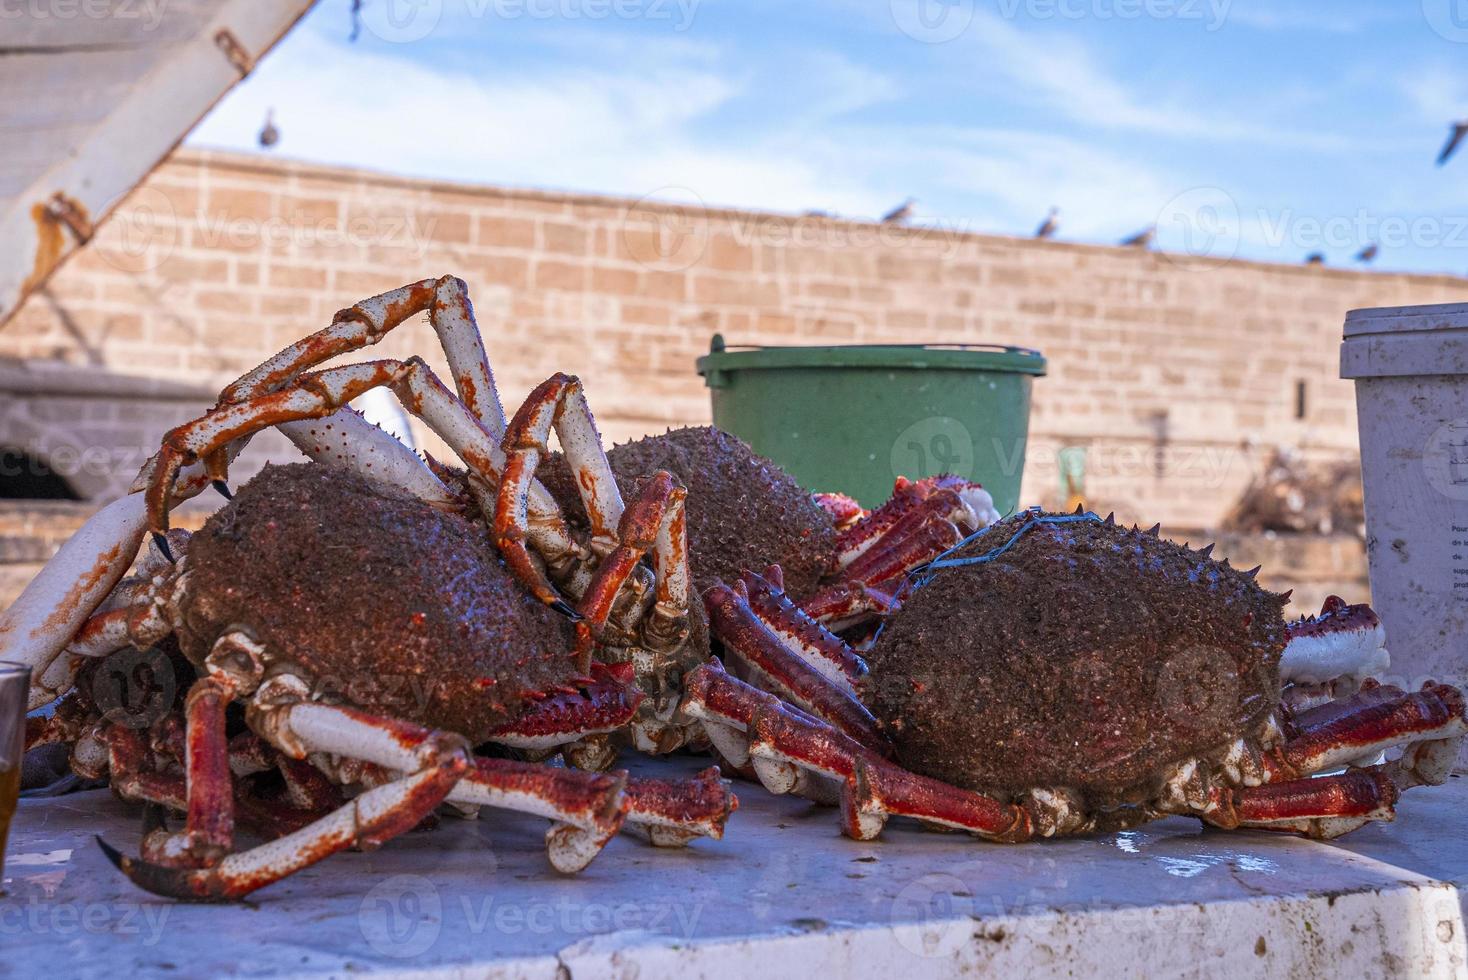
(201, 54)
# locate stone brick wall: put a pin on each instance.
(1177, 377)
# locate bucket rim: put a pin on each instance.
(1001, 358)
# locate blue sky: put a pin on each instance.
(1264, 128)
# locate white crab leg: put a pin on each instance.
(347, 439)
(559, 403)
(61, 597)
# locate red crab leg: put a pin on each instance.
(392, 744)
(868, 583)
(907, 496)
(845, 603)
(873, 788)
(605, 705)
(1377, 718)
(557, 403)
(853, 542)
(654, 522)
(209, 830)
(130, 770)
(674, 811)
(370, 820)
(587, 808)
(345, 437)
(320, 394)
(1322, 807)
(744, 636)
(449, 313)
(844, 511)
(820, 648)
(926, 530)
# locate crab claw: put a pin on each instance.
(160, 541)
(192, 885)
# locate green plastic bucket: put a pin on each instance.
(854, 418)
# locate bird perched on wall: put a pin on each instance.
(1142, 239)
(899, 214)
(1315, 258)
(269, 134)
(1368, 254)
(1050, 225)
(1460, 129)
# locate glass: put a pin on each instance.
(15, 685)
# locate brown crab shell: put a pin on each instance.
(1088, 656)
(376, 599)
(744, 512)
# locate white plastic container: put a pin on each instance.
(1410, 365)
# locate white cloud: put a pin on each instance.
(557, 129)
(1061, 73)
(782, 128)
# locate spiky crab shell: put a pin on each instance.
(1086, 655)
(381, 601)
(743, 512)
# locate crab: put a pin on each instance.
(463, 586)
(1060, 675)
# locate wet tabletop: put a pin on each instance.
(783, 895)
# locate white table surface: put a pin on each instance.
(782, 895)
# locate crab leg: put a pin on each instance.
(1377, 718)
(872, 582)
(606, 705)
(557, 403)
(449, 313)
(918, 523)
(343, 436)
(749, 640)
(587, 808)
(1430, 722)
(844, 604)
(844, 511)
(928, 529)
(592, 813)
(671, 812)
(58, 602)
(653, 524)
(1322, 807)
(780, 740)
(316, 395)
(209, 832)
(819, 647)
(970, 506)
(370, 820)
